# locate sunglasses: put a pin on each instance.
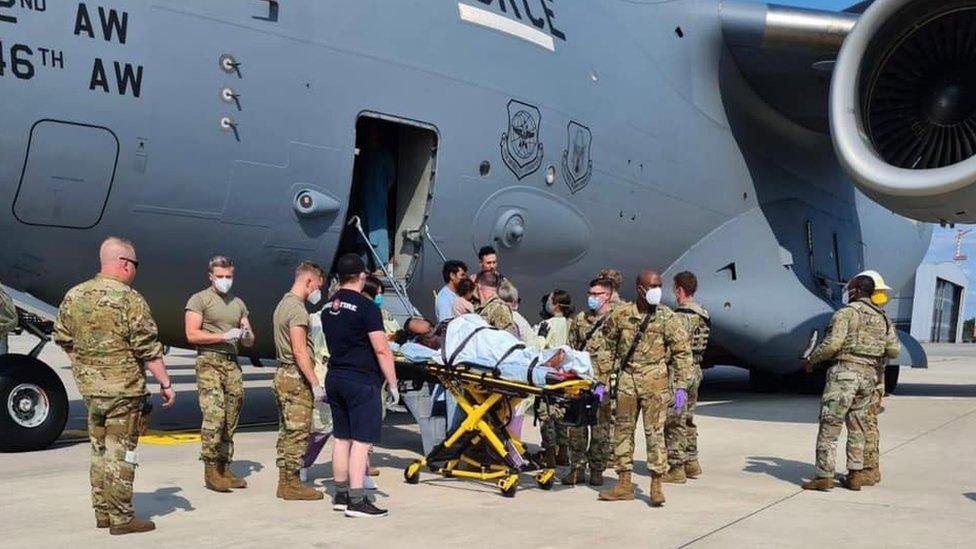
(134, 262)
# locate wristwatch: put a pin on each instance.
(165, 387)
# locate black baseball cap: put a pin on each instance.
(350, 264)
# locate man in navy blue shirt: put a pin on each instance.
(360, 359)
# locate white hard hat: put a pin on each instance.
(879, 283)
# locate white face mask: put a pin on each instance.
(314, 297)
(223, 284)
(653, 296)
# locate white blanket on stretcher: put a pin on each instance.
(487, 347)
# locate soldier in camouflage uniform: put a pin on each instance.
(860, 336)
(680, 431)
(295, 384)
(642, 336)
(107, 329)
(872, 435)
(215, 322)
(496, 312)
(585, 334)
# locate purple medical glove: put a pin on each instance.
(680, 399)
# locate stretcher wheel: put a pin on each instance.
(412, 473)
(509, 485)
(546, 479)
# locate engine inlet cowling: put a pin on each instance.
(903, 107)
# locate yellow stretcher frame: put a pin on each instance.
(486, 400)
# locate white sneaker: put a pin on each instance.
(369, 483)
(303, 474)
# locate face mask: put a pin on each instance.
(879, 298)
(548, 307)
(314, 297)
(223, 284)
(378, 300)
(845, 297)
(653, 296)
(593, 302)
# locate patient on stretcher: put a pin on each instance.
(471, 341)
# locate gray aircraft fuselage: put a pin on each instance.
(619, 134)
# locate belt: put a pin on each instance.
(220, 354)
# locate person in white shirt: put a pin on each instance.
(453, 272)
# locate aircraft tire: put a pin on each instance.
(33, 404)
(763, 382)
(891, 378)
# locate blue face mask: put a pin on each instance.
(593, 302)
(378, 300)
(548, 308)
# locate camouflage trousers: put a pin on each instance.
(553, 432)
(680, 431)
(591, 445)
(113, 425)
(220, 386)
(846, 397)
(872, 434)
(294, 398)
(640, 394)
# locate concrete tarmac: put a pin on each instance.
(756, 449)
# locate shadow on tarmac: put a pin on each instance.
(788, 470)
(162, 502)
(970, 495)
(245, 468)
(935, 390)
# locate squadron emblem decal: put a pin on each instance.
(521, 147)
(577, 164)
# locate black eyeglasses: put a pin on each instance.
(133, 261)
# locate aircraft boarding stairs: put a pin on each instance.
(426, 401)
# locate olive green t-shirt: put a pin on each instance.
(220, 313)
(289, 313)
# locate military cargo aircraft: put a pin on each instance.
(774, 151)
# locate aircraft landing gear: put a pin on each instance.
(33, 404)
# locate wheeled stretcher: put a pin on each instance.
(483, 447)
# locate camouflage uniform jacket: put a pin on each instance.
(498, 314)
(697, 323)
(109, 332)
(860, 333)
(597, 346)
(664, 337)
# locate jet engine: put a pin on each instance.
(903, 107)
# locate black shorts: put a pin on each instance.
(357, 407)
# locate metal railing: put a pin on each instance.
(400, 292)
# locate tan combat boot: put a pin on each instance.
(212, 479)
(596, 477)
(134, 526)
(820, 483)
(233, 480)
(871, 476)
(693, 469)
(102, 521)
(576, 475)
(291, 488)
(854, 480)
(657, 491)
(622, 491)
(675, 475)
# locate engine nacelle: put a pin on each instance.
(903, 107)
